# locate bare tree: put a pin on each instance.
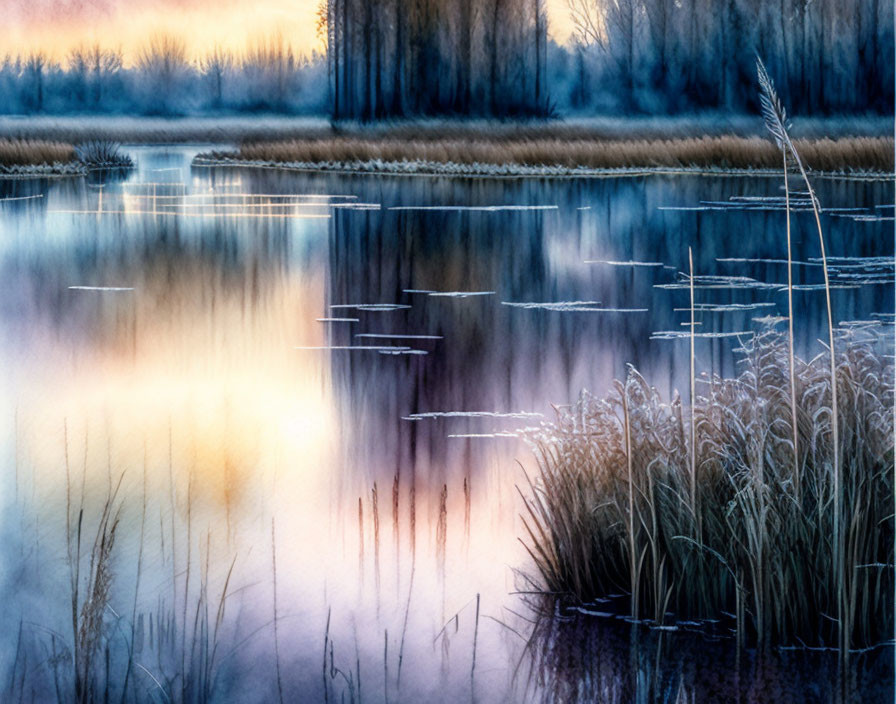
(162, 65)
(215, 66)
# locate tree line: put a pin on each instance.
(826, 56)
(493, 58)
(392, 58)
(164, 80)
(496, 59)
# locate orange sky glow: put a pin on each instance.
(58, 26)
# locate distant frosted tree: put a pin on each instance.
(270, 74)
(162, 72)
(216, 67)
(35, 67)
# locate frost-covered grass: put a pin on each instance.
(726, 523)
(103, 154)
(29, 157)
(555, 155)
(238, 129)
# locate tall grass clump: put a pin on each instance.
(776, 122)
(103, 154)
(610, 509)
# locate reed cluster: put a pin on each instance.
(573, 150)
(613, 507)
(103, 154)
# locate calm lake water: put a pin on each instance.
(304, 394)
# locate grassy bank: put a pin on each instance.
(711, 142)
(239, 129)
(34, 152)
(566, 151)
(34, 156)
(731, 525)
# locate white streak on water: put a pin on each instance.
(338, 320)
(371, 348)
(386, 336)
(555, 305)
(471, 414)
(684, 335)
(629, 263)
(472, 208)
(571, 307)
(722, 308)
(7, 200)
(101, 288)
(719, 282)
(818, 287)
(460, 294)
(373, 307)
(746, 260)
(484, 435)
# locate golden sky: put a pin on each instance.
(57, 26)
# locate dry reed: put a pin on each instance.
(28, 152)
(766, 554)
(871, 154)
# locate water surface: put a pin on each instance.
(311, 389)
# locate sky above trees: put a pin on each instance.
(55, 27)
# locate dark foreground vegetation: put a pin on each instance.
(571, 150)
(729, 521)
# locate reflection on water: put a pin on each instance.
(310, 389)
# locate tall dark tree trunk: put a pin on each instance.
(347, 68)
(493, 58)
(465, 72)
(379, 105)
(333, 49)
(538, 49)
(398, 61)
